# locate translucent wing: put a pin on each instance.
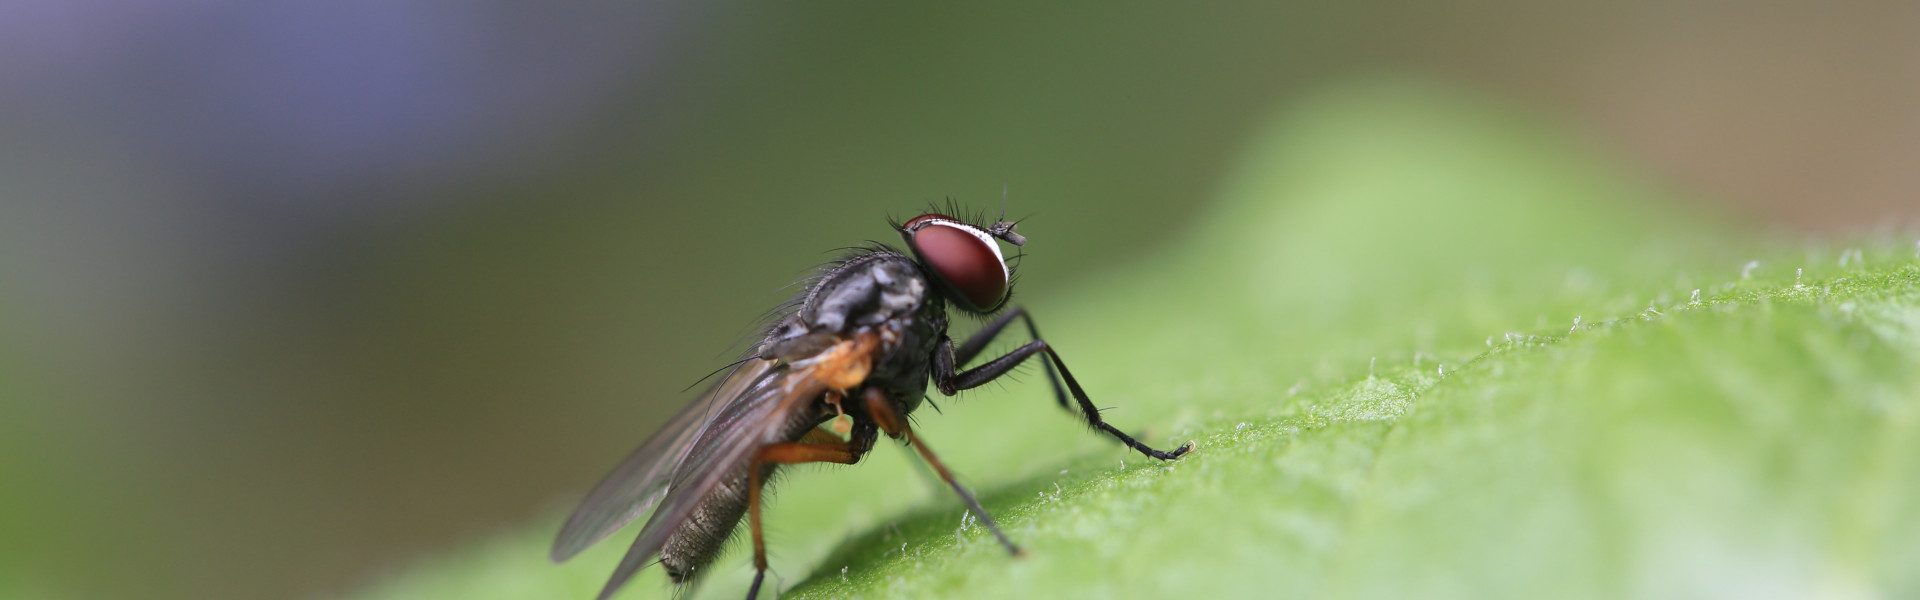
(765, 410)
(642, 478)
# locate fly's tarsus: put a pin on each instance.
(754, 590)
(1093, 415)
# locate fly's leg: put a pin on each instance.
(951, 382)
(979, 340)
(896, 427)
(817, 446)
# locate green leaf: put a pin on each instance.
(1427, 349)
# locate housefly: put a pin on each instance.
(863, 340)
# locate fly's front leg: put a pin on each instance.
(951, 382)
(979, 340)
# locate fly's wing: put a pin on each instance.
(748, 422)
(642, 478)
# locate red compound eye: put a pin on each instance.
(963, 257)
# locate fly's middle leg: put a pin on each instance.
(896, 427)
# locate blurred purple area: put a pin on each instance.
(179, 181)
(294, 112)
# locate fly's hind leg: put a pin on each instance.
(818, 445)
(896, 427)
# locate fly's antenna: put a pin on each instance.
(1002, 228)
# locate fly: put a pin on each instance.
(863, 341)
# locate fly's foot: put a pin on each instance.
(1175, 454)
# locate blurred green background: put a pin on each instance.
(291, 296)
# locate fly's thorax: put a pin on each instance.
(903, 372)
(882, 296)
(865, 290)
(860, 293)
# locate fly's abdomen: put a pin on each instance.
(692, 547)
(698, 540)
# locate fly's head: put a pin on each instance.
(964, 259)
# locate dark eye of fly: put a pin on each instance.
(964, 258)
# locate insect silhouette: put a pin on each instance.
(863, 340)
